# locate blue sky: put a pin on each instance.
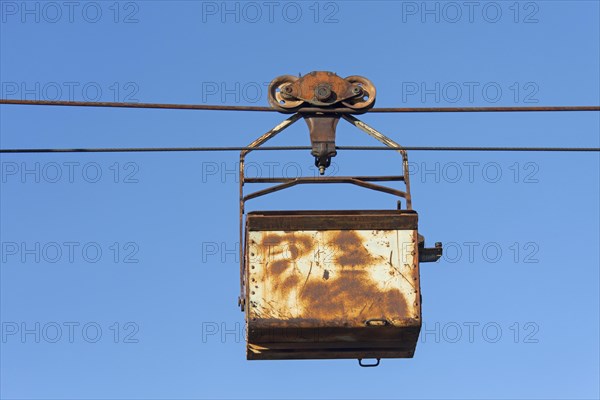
(118, 273)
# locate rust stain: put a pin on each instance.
(279, 266)
(294, 252)
(352, 284)
(285, 249)
(351, 250)
(272, 240)
(290, 283)
(295, 243)
(351, 291)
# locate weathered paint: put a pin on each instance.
(332, 293)
(344, 277)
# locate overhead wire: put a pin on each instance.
(272, 148)
(270, 109)
(208, 107)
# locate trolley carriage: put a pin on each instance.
(330, 284)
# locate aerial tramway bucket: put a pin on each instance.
(330, 284)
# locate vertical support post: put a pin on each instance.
(257, 143)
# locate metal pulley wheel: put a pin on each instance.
(365, 97)
(280, 93)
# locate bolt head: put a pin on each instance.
(323, 92)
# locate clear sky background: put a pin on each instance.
(119, 277)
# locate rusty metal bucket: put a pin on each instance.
(332, 284)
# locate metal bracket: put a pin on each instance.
(315, 94)
(429, 254)
(321, 89)
(322, 138)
